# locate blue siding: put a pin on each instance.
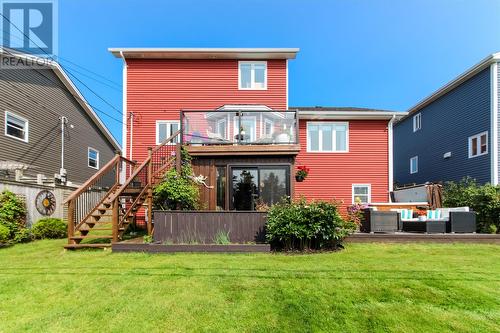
(446, 125)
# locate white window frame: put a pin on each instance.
(417, 122)
(252, 74)
(413, 171)
(26, 126)
(271, 123)
(369, 186)
(97, 160)
(217, 127)
(168, 123)
(253, 135)
(334, 137)
(478, 137)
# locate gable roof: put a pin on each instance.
(61, 74)
(492, 58)
(343, 112)
(203, 53)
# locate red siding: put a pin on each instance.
(332, 174)
(159, 89)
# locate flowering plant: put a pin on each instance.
(421, 212)
(355, 211)
(302, 171)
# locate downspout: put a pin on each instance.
(131, 133)
(123, 175)
(391, 155)
(62, 171)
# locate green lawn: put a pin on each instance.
(364, 288)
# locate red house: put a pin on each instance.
(231, 107)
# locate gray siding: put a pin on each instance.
(498, 115)
(28, 94)
(446, 125)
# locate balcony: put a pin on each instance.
(224, 132)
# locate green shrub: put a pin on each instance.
(12, 212)
(177, 190)
(483, 199)
(23, 235)
(51, 228)
(302, 225)
(4, 234)
(147, 239)
(222, 238)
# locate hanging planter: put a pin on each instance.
(301, 174)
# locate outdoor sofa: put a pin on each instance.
(453, 220)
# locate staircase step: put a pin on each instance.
(110, 229)
(91, 237)
(82, 246)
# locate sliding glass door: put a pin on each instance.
(252, 185)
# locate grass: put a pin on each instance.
(364, 288)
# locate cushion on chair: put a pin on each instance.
(434, 214)
(406, 214)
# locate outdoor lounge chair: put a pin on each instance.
(459, 219)
(379, 221)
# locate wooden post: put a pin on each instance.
(71, 220)
(118, 168)
(150, 191)
(178, 158)
(115, 217)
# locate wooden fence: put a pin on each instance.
(202, 227)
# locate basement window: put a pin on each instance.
(252, 75)
(93, 158)
(361, 192)
(16, 127)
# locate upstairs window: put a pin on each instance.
(252, 75)
(165, 129)
(361, 192)
(93, 158)
(478, 144)
(327, 137)
(417, 122)
(16, 127)
(414, 164)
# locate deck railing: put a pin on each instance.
(241, 127)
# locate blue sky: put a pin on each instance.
(379, 54)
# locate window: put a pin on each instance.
(268, 128)
(414, 164)
(252, 75)
(327, 136)
(164, 129)
(478, 145)
(417, 122)
(93, 158)
(361, 192)
(16, 127)
(222, 128)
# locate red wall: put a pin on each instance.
(159, 89)
(332, 174)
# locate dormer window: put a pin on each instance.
(252, 75)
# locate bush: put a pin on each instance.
(177, 191)
(51, 228)
(301, 225)
(12, 212)
(4, 234)
(483, 199)
(23, 236)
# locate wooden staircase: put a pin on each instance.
(101, 210)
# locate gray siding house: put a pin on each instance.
(36, 105)
(454, 132)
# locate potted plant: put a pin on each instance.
(302, 172)
(422, 215)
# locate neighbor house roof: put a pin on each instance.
(492, 58)
(204, 53)
(333, 112)
(61, 74)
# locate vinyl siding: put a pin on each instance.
(41, 101)
(333, 174)
(446, 125)
(160, 89)
(498, 111)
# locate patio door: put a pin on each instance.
(252, 185)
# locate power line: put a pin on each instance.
(50, 57)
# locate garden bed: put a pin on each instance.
(172, 248)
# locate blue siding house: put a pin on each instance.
(454, 132)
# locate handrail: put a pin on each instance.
(92, 179)
(124, 159)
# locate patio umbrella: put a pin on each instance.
(435, 195)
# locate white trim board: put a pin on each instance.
(494, 123)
